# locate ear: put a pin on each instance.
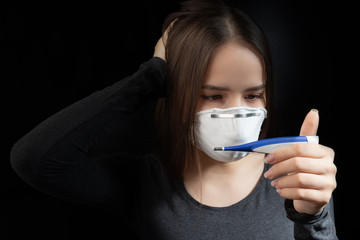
(310, 124)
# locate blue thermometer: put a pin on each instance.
(269, 145)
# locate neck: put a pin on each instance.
(211, 168)
(224, 183)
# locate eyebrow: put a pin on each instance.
(217, 88)
(212, 87)
(256, 88)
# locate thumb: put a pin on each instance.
(310, 124)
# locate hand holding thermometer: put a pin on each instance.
(269, 145)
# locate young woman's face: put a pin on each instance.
(234, 78)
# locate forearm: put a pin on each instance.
(55, 145)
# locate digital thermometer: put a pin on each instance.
(270, 144)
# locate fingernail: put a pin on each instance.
(268, 174)
(269, 158)
(315, 110)
(274, 183)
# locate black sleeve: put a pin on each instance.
(318, 226)
(53, 157)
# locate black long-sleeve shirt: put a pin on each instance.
(54, 158)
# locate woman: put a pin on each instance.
(211, 60)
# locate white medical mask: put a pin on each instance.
(228, 127)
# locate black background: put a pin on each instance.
(55, 54)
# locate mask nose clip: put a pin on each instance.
(235, 115)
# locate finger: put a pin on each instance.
(305, 194)
(310, 124)
(296, 150)
(296, 165)
(166, 32)
(301, 180)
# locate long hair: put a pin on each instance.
(198, 29)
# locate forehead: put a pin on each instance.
(234, 65)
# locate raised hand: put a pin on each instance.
(304, 173)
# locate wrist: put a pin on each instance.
(295, 216)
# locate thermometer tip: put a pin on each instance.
(218, 148)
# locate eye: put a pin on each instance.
(253, 97)
(213, 97)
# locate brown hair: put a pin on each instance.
(198, 29)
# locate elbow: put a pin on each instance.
(23, 160)
(16, 157)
